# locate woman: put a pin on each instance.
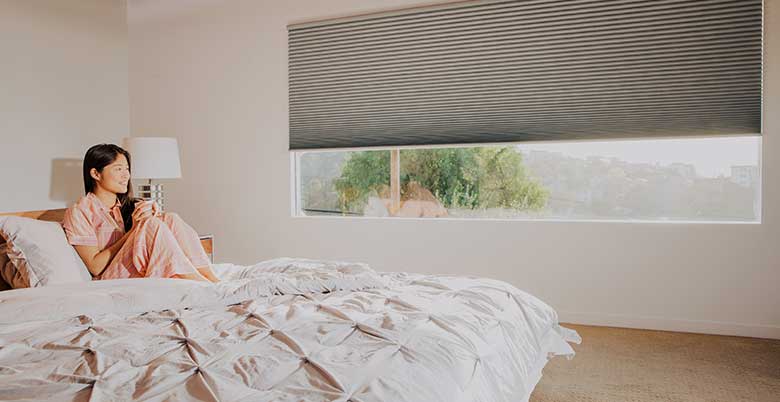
(121, 237)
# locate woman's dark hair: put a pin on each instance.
(100, 156)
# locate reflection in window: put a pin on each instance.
(454, 181)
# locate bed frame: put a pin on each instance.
(51, 215)
(56, 215)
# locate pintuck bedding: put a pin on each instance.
(281, 330)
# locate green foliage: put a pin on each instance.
(504, 183)
(365, 173)
(450, 174)
(471, 178)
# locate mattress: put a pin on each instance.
(284, 330)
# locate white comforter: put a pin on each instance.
(283, 330)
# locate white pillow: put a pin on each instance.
(39, 253)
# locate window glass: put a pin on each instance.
(342, 183)
(710, 179)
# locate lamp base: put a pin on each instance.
(152, 192)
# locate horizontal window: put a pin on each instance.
(705, 179)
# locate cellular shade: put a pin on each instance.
(506, 71)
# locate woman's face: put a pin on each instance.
(115, 176)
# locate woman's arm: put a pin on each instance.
(97, 260)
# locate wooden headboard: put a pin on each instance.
(56, 215)
(51, 215)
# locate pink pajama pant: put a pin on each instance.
(159, 247)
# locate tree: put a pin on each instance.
(473, 178)
(503, 182)
(365, 173)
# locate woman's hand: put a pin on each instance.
(145, 210)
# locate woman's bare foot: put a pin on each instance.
(208, 274)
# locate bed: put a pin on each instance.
(280, 330)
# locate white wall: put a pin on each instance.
(63, 87)
(214, 74)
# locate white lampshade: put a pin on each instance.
(153, 157)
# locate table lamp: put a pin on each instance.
(153, 158)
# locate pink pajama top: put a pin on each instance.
(90, 223)
(158, 247)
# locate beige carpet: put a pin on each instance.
(629, 365)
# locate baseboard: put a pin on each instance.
(665, 324)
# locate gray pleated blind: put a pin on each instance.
(503, 71)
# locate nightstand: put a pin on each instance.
(207, 241)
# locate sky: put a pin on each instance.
(712, 157)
